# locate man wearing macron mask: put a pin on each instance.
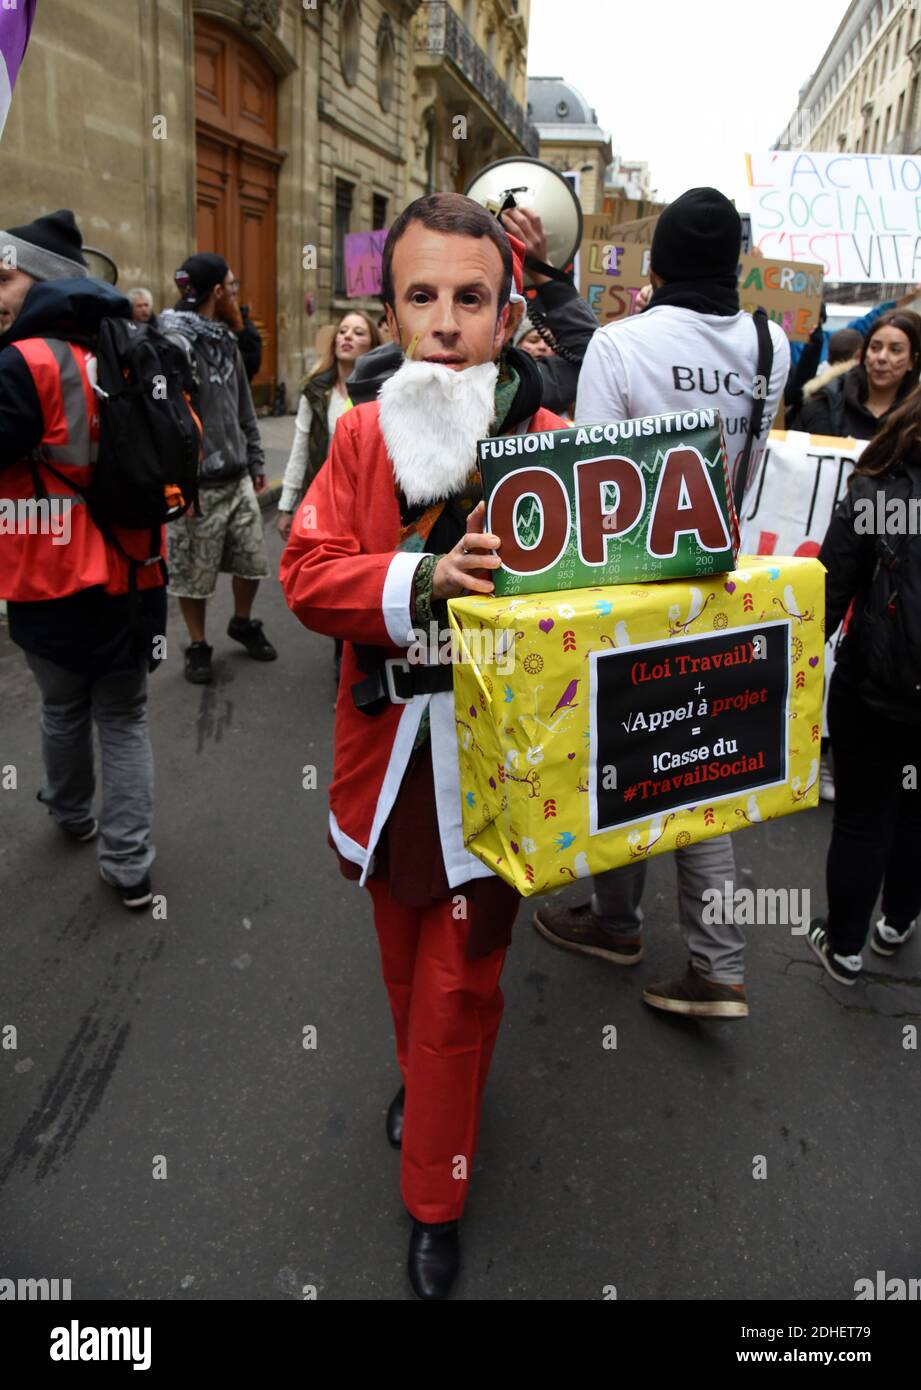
(389, 530)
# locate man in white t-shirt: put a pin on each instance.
(692, 347)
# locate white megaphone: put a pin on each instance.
(530, 183)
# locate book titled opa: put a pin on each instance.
(617, 503)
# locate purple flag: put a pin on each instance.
(15, 27)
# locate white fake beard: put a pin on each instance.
(431, 418)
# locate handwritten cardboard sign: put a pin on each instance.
(597, 226)
(613, 272)
(790, 291)
(363, 252)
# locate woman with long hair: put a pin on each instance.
(324, 398)
(858, 402)
(872, 555)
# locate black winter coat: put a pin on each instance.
(249, 342)
(840, 408)
(850, 559)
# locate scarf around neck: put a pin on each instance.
(717, 296)
(195, 326)
(506, 391)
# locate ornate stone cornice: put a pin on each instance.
(259, 12)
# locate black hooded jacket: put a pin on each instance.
(91, 632)
(840, 408)
(850, 553)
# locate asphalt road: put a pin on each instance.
(142, 1039)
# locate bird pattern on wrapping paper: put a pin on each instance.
(567, 701)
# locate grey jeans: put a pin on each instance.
(716, 949)
(118, 704)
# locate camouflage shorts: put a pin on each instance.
(226, 539)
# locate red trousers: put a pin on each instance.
(446, 1015)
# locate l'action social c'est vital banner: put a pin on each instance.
(858, 215)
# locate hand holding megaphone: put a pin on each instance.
(525, 224)
(530, 186)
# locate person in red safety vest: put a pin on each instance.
(88, 642)
(389, 530)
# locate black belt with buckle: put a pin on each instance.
(394, 681)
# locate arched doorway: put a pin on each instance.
(237, 175)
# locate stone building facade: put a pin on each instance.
(864, 98)
(570, 137)
(262, 129)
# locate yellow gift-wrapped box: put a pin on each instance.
(598, 726)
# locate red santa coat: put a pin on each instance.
(343, 576)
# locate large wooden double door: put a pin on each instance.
(237, 175)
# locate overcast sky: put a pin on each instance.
(688, 85)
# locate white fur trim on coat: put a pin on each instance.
(396, 601)
(824, 377)
(460, 864)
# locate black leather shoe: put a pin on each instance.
(395, 1119)
(434, 1258)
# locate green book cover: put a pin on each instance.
(626, 502)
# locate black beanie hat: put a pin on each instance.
(198, 275)
(697, 237)
(50, 248)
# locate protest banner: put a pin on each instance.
(363, 252)
(790, 293)
(612, 273)
(858, 215)
(609, 503)
(625, 721)
(789, 504)
(15, 29)
(598, 226)
(790, 499)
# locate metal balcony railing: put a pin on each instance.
(442, 33)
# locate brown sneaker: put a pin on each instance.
(578, 929)
(697, 997)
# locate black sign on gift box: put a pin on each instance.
(687, 722)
